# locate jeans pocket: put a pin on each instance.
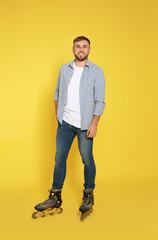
(59, 123)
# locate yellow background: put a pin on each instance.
(36, 39)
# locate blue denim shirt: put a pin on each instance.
(92, 91)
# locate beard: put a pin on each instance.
(81, 58)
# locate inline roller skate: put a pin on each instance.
(50, 206)
(87, 203)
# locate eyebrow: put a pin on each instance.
(83, 45)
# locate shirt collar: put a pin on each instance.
(88, 63)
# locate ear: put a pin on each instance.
(89, 50)
(73, 50)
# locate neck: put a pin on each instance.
(80, 63)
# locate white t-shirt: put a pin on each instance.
(71, 112)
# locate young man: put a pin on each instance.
(79, 103)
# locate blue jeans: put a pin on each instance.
(65, 136)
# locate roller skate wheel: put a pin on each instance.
(52, 213)
(60, 210)
(34, 216)
(85, 214)
(90, 211)
(43, 214)
(82, 217)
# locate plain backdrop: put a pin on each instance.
(36, 40)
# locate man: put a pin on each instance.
(79, 103)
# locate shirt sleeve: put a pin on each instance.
(99, 93)
(57, 87)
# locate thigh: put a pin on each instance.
(85, 145)
(64, 138)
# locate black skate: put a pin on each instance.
(88, 202)
(50, 206)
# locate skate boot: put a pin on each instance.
(87, 203)
(50, 206)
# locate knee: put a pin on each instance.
(60, 159)
(87, 159)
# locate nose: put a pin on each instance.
(81, 50)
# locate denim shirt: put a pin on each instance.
(92, 91)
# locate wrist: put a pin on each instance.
(95, 120)
(94, 124)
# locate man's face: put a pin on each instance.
(81, 50)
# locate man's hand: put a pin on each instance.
(92, 131)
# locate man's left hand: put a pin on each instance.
(92, 131)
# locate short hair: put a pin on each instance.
(80, 38)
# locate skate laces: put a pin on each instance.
(85, 200)
(46, 201)
(87, 195)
